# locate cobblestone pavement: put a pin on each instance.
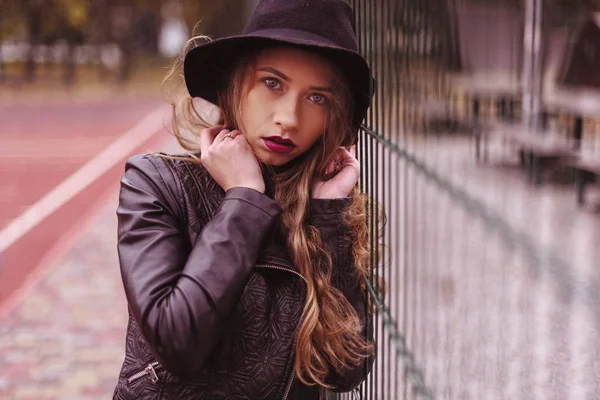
(65, 338)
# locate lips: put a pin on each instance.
(280, 140)
(279, 145)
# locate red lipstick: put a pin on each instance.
(279, 145)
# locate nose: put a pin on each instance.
(287, 112)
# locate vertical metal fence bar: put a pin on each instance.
(403, 96)
(467, 286)
(380, 183)
(409, 261)
(359, 17)
(359, 8)
(373, 164)
(398, 265)
(387, 183)
(396, 214)
(369, 55)
(374, 251)
(415, 189)
(427, 224)
(380, 164)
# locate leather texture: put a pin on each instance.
(214, 300)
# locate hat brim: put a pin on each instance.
(208, 67)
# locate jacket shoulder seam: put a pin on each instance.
(155, 159)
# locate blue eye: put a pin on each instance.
(318, 98)
(272, 83)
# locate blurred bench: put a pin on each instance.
(440, 112)
(537, 150)
(587, 170)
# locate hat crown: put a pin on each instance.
(325, 27)
(332, 20)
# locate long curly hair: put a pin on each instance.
(330, 334)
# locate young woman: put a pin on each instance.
(244, 262)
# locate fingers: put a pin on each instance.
(225, 134)
(341, 159)
(215, 136)
(349, 157)
(330, 168)
(207, 136)
(345, 157)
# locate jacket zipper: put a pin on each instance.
(149, 370)
(272, 266)
(289, 385)
(152, 367)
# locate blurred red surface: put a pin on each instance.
(40, 146)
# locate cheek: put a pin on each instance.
(253, 111)
(314, 126)
(247, 114)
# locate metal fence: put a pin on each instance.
(489, 294)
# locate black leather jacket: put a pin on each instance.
(214, 301)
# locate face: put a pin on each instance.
(289, 92)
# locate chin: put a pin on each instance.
(274, 159)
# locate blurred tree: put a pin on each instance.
(148, 23)
(10, 25)
(122, 15)
(72, 19)
(33, 10)
(227, 19)
(133, 25)
(135, 28)
(99, 30)
(215, 18)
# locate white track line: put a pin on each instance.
(83, 177)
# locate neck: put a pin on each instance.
(270, 173)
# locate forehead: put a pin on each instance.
(297, 64)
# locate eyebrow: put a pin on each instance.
(287, 79)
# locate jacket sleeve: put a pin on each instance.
(326, 216)
(179, 294)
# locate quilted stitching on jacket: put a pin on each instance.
(255, 355)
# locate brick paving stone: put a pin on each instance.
(65, 338)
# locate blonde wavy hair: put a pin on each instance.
(330, 334)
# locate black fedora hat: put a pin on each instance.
(325, 27)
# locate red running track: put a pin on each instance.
(41, 145)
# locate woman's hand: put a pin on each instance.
(344, 171)
(229, 159)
